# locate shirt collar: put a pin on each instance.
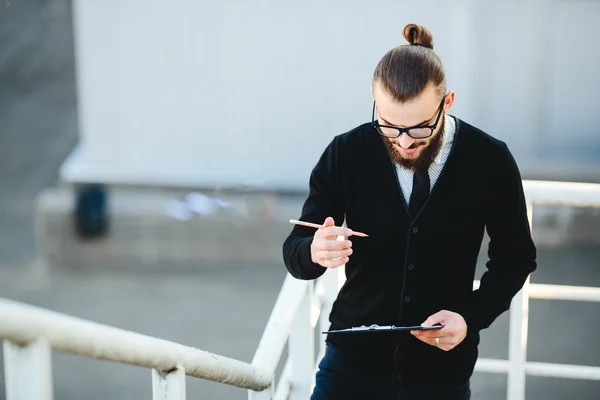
(447, 140)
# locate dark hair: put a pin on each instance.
(405, 71)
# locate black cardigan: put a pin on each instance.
(409, 268)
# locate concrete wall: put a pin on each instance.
(241, 92)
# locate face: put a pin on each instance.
(405, 150)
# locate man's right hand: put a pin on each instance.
(326, 250)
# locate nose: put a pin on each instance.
(406, 141)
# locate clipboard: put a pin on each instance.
(385, 328)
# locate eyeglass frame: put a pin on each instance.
(377, 125)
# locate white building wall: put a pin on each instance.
(197, 93)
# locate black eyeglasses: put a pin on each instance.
(415, 132)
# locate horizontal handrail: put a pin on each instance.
(562, 193)
(563, 292)
(568, 371)
(559, 292)
(549, 370)
(280, 323)
(22, 323)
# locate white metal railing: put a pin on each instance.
(299, 296)
(29, 334)
(300, 307)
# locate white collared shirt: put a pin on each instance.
(405, 175)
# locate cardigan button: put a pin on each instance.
(415, 229)
(407, 299)
(411, 267)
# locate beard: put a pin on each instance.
(424, 160)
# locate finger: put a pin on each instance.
(433, 333)
(334, 263)
(329, 222)
(430, 340)
(424, 339)
(440, 317)
(334, 245)
(334, 231)
(443, 343)
(332, 255)
(325, 255)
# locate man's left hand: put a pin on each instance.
(450, 336)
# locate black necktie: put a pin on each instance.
(420, 191)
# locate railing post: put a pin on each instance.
(301, 350)
(330, 288)
(168, 385)
(517, 344)
(28, 370)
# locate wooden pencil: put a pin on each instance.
(317, 226)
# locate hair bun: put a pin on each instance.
(418, 34)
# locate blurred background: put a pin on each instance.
(202, 121)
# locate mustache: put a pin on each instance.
(412, 146)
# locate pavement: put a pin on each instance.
(222, 310)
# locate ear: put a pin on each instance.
(449, 101)
(371, 90)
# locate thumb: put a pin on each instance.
(437, 318)
(329, 222)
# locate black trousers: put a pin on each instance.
(340, 377)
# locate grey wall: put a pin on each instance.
(240, 92)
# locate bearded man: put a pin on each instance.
(425, 186)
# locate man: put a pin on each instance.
(424, 186)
